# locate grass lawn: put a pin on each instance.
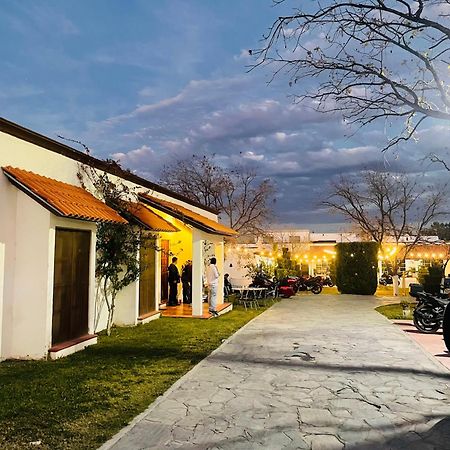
(80, 401)
(394, 311)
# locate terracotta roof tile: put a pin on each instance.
(62, 199)
(149, 219)
(202, 222)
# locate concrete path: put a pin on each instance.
(313, 372)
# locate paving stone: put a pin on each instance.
(325, 442)
(368, 388)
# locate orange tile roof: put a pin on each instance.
(145, 216)
(61, 198)
(184, 214)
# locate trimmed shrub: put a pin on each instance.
(432, 280)
(356, 267)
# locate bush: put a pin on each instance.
(356, 267)
(286, 266)
(432, 280)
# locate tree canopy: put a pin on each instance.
(241, 197)
(385, 205)
(369, 59)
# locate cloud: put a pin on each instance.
(135, 158)
(301, 150)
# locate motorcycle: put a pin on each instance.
(326, 281)
(312, 284)
(263, 281)
(429, 312)
(386, 279)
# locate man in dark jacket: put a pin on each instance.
(186, 279)
(174, 279)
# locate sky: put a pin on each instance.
(150, 82)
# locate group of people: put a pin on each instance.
(212, 282)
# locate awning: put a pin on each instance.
(188, 216)
(62, 199)
(149, 219)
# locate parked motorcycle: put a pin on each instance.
(429, 312)
(272, 286)
(386, 279)
(312, 284)
(326, 281)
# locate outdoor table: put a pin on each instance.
(250, 295)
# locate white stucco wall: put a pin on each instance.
(127, 305)
(26, 295)
(27, 231)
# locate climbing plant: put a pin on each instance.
(118, 244)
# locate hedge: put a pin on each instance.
(432, 280)
(356, 267)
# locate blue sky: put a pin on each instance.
(147, 82)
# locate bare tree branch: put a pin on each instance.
(239, 195)
(387, 206)
(372, 60)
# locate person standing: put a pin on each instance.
(212, 278)
(227, 287)
(186, 280)
(174, 279)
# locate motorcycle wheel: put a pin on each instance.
(424, 324)
(316, 289)
(330, 284)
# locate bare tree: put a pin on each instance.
(240, 196)
(386, 207)
(372, 59)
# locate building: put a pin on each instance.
(49, 299)
(313, 252)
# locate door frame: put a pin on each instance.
(71, 224)
(73, 312)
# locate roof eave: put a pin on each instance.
(33, 137)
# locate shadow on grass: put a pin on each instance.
(80, 401)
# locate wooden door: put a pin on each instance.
(71, 285)
(164, 269)
(147, 300)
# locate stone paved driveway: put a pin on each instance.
(320, 372)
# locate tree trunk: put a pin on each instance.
(395, 285)
(110, 318)
(404, 283)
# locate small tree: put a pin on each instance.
(241, 197)
(285, 266)
(261, 268)
(385, 207)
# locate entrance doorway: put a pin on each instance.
(70, 285)
(164, 270)
(147, 300)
